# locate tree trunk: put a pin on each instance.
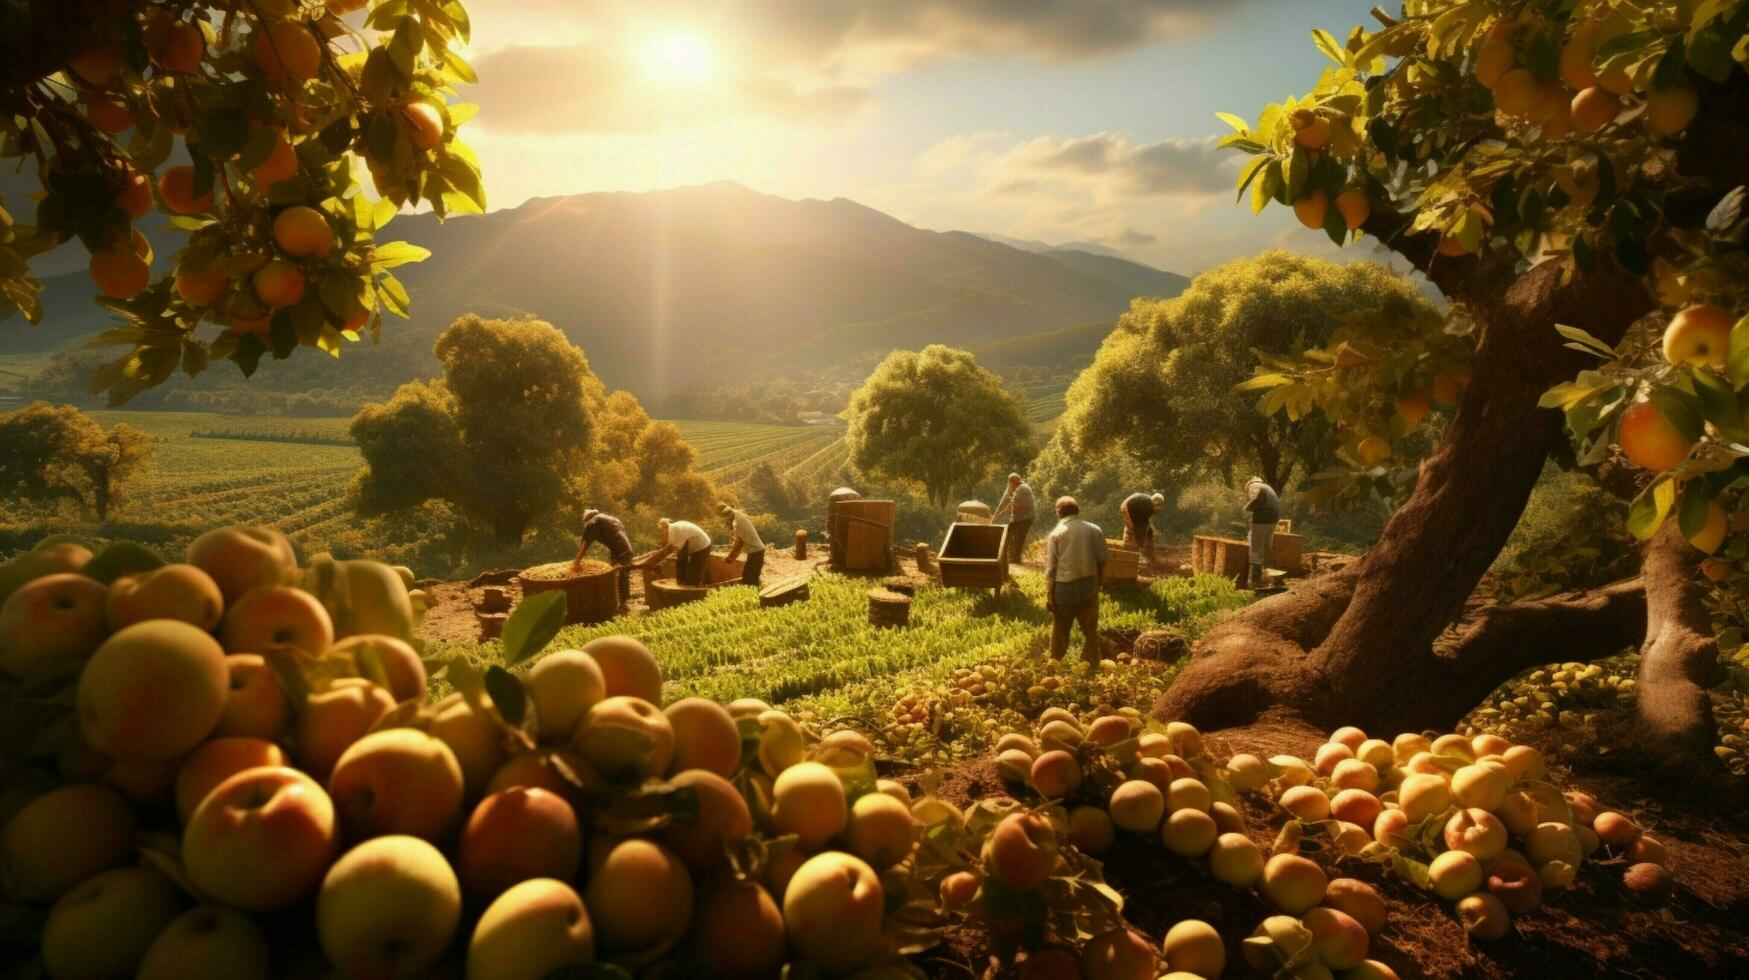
(1680, 656)
(100, 494)
(509, 529)
(1359, 647)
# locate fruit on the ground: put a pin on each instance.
(1312, 210)
(242, 558)
(1091, 830)
(1483, 916)
(1137, 806)
(277, 616)
(626, 738)
(1306, 802)
(1648, 881)
(1582, 808)
(1556, 876)
(176, 187)
(333, 719)
(1423, 795)
(1349, 735)
(532, 929)
(1476, 831)
(1293, 884)
(1615, 829)
(1354, 774)
(424, 124)
(1337, 937)
(881, 830)
(628, 667)
(1359, 900)
(474, 736)
(302, 232)
(740, 929)
(723, 818)
(119, 270)
(146, 782)
(1552, 841)
(62, 838)
(832, 912)
(281, 164)
(279, 284)
(1370, 970)
(399, 781)
(386, 660)
(286, 50)
(1454, 874)
(208, 943)
(959, 889)
(1021, 852)
(1189, 832)
(363, 597)
(152, 691)
(1289, 939)
(1109, 730)
(705, 737)
(640, 897)
(104, 926)
(1356, 806)
(261, 839)
(1669, 111)
(1390, 825)
(216, 761)
(1236, 860)
(1516, 885)
(51, 625)
(780, 742)
(388, 908)
(1712, 531)
(1328, 755)
(179, 591)
(809, 802)
(1246, 772)
(1194, 946)
(514, 836)
(563, 686)
(1187, 793)
(1698, 335)
(1014, 765)
(1120, 954)
(1056, 774)
(1524, 762)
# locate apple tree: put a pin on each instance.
(1570, 174)
(255, 126)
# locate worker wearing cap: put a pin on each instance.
(1138, 515)
(1264, 508)
(1020, 506)
(745, 536)
(691, 547)
(1075, 555)
(610, 533)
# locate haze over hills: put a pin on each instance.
(704, 286)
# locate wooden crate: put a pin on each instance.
(863, 531)
(717, 571)
(1290, 551)
(1226, 557)
(1122, 564)
(971, 556)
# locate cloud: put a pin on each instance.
(1114, 167)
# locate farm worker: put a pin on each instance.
(610, 533)
(1018, 503)
(745, 536)
(1138, 515)
(691, 547)
(1075, 556)
(1265, 509)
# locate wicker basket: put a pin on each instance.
(591, 595)
(665, 592)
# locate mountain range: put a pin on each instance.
(697, 287)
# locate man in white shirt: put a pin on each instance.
(1018, 503)
(1075, 555)
(691, 547)
(744, 536)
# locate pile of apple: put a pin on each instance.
(1471, 819)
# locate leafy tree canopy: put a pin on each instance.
(249, 123)
(1166, 384)
(936, 418)
(50, 454)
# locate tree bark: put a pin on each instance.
(1359, 647)
(1680, 657)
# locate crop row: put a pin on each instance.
(781, 459)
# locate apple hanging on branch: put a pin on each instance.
(245, 122)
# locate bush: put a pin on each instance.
(1573, 535)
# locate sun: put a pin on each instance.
(681, 58)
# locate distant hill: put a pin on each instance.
(1063, 349)
(699, 287)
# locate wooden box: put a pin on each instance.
(1290, 550)
(1122, 564)
(1225, 557)
(718, 571)
(862, 533)
(971, 556)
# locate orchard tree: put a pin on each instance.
(642, 470)
(1166, 384)
(501, 436)
(1562, 170)
(935, 417)
(50, 455)
(248, 123)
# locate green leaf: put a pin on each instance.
(1691, 515)
(532, 625)
(508, 695)
(1262, 381)
(392, 254)
(1737, 354)
(119, 559)
(1328, 44)
(1239, 125)
(1681, 409)
(1586, 341)
(1650, 509)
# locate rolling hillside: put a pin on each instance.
(695, 287)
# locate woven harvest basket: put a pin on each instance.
(591, 594)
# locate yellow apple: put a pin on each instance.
(216, 761)
(832, 912)
(242, 558)
(64, 837)
(626, 738)
(387, 660)
(398, 781)
(208, 943)
(333, 719)
(532, 929)
(255, 705)
(105, 926)
(261, 840)
(640, 898)
(723, 818)
(172, 592)
(705, 737)
(152, 691)
(50, 625)
(628, 667)
(388, 908)
(563, 687)
(515, 836)
(476, 738)
(276, 616)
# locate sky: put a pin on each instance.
(1072, 120)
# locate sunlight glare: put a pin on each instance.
(681, 58)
